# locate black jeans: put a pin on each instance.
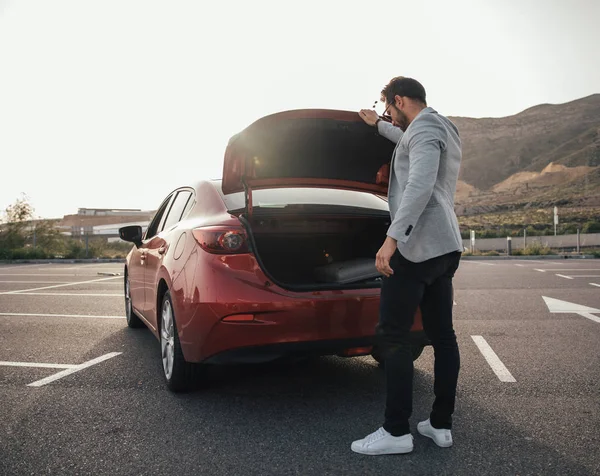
(428, 285)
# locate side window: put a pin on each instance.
(191, 202)
(153, 227)
(176, 209)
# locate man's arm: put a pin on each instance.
(389, 131)
(428, 139)
(384, 128)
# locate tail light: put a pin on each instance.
(222, 240)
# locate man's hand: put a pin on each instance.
(370, 117)
(385, 253)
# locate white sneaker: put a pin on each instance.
(383, 443)
(441, 437)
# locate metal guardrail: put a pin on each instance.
(560, 242)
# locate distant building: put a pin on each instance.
(103, 221)
(112, 212)
(99, 222)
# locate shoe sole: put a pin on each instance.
(385, 452)
(428, 435)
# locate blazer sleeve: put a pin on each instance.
(426, 142)
(389, 131)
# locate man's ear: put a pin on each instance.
(398, 101)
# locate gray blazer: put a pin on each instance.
(422, 186)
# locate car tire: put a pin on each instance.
(132, 318)
(416, 350)
(180, 376)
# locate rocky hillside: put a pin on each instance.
(548, 154)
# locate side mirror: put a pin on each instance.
(133, 234)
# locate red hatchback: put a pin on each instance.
(277, 259)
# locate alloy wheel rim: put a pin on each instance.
(167, 339)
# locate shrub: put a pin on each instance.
(23, 253)
(591, 227)
(536, 248)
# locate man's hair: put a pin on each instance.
(404, 87)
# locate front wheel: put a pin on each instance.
(415, 349)
(179, 374)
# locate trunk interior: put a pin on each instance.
(294, 250)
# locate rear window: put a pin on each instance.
(282, 197)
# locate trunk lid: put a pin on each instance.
(307, 148)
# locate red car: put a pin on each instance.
(277, 259)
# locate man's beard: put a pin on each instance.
(401, 120)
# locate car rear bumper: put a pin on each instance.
(234, 288)
(331, 325)
(266, 353)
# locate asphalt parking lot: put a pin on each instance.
(83, 394)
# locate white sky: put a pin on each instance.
(115, 103)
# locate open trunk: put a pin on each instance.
(316, 251)
(311, 181)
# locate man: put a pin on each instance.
(418, 260)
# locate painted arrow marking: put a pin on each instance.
(556, 306)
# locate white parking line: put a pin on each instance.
(586, 276)
(17, 267)
(83, 269)
(478, 262)
(59, 285)
(35, 282)
(537, 261)
(50, 282)
(38, 365)
(77, 368)
(493, 360)
(563, 276)
(570, 269)
(71, 294)
(540, 270)
(594, 284)
(22, 314)
(95, 265)
(590, 316)
(40, 275)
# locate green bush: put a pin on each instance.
(536, 248)
(591, 227)
(569, 230)
(23, 237)
(23, 253)
(75, 249)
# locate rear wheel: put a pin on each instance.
(416, 351)
(179, 374)
(133, 320)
